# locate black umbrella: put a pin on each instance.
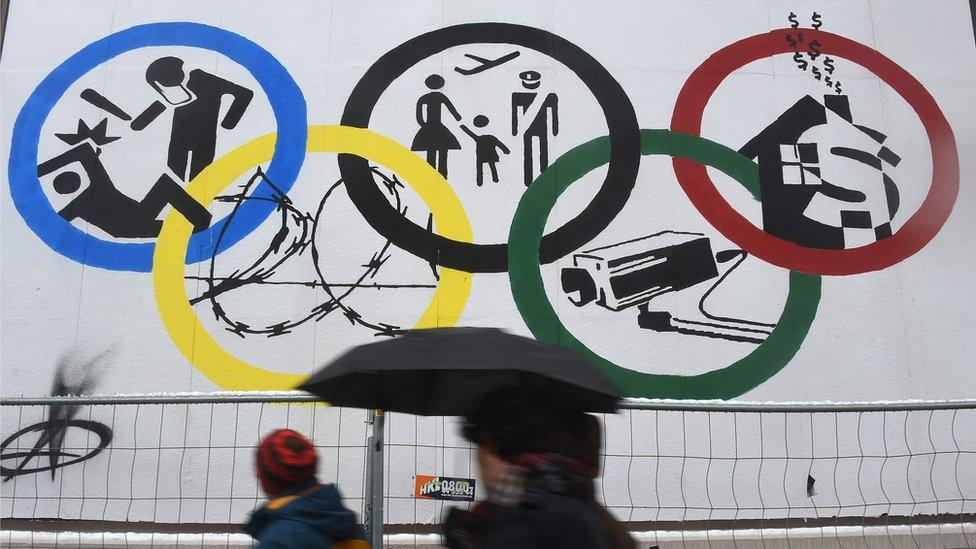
(450, 371)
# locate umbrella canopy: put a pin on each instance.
(450, 371)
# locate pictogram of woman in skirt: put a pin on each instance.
(434, 137)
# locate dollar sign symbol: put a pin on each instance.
(798, 57)
(829, 65)
(791, 40)
(828, 81)
(837, 88)
(816, 72)
(814, 50)
(817, 23)
(793, 21)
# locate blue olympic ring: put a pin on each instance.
(287, 102)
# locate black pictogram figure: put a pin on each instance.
(486, 149)
(196, 100)
(433, 136)
(106, 207)
(539, 115)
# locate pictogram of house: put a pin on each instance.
(792, 182)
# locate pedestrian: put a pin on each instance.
(536, 497)
(301, 511)
(582, 441)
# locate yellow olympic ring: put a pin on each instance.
(168, 270)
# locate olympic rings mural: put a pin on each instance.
(781, 169)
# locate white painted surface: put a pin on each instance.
(900, 333)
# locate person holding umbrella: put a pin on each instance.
(518, 396)
(582, 441)
(539, 483)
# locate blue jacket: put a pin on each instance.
(308, 515)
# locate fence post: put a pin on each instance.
(374, 480)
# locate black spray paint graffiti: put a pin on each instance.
(822, 176)
(297, 233)
(53, 431)
(634, 272)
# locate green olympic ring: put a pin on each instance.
(538, 314)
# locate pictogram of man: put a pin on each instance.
(526, 105)
(195, 101)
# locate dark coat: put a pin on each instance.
(310, 515)
(552, 522)
(553, 512)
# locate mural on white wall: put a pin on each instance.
(769, 208)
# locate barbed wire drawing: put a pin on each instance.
(297, 234)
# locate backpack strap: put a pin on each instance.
(278, 503)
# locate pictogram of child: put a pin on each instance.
(486, 149)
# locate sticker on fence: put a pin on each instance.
(445, 488)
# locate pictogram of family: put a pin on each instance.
(538, 115)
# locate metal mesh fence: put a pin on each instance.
(165, 463)
(689, 473)
(792, 469)
(837, 476)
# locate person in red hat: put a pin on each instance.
(301, 511)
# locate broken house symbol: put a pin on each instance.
(822, 176)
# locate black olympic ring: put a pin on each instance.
(617, 109)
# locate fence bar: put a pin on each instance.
(626, 404)
(217, 397)
(374, 479)
(799, 407)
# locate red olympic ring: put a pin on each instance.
(917, 231)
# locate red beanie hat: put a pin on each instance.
(285, 458)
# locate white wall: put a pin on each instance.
(900, 332)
